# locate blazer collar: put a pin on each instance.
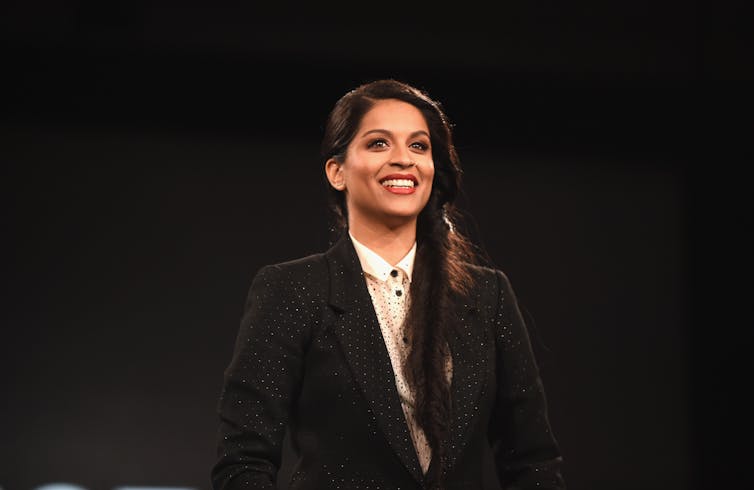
(358, 331)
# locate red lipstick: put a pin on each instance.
(400, 183)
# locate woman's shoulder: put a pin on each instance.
(296, 281)
(487, 275)
(306, 268)
(490, 286)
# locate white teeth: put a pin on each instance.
(398, 183)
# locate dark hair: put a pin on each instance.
(441, 271)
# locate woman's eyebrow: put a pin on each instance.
(420, 132)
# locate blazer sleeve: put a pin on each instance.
(527, 455)
(260, 384)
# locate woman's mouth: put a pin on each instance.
(399, 185)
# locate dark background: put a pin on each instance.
(156, 154)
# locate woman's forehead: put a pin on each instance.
(394, 116)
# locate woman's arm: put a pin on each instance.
(526, 452)
(260, 384)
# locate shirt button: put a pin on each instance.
(398, 292)
(394, 273)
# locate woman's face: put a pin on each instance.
(388, 169)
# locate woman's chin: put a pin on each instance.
(400, 218)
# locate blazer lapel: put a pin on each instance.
(358, 331)
(470, 374)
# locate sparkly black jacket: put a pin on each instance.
(310, 358)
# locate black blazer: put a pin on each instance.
(310, 357)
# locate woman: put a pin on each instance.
(393, 361)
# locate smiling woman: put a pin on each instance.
(386, 175)
(394, 359)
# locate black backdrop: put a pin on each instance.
(156, 154)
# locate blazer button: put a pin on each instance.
(398, 292)
(394, 273)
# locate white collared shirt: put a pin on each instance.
(389, 286)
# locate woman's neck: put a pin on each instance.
(390, 243)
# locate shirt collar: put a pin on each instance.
(379, 268)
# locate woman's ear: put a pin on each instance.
(334, 172)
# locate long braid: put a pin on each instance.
(430, 326)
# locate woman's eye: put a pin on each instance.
(378, 143)
(420, 146)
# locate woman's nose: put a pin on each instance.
(402, 158)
